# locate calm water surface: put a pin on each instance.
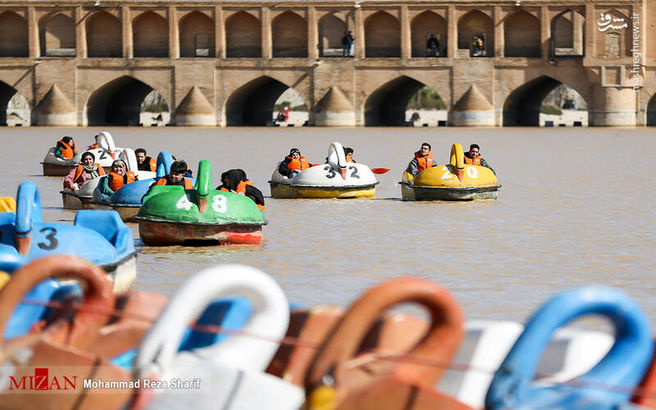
(576, 208)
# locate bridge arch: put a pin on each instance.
(522, 35)
(13, 35)
(150, 35)
(118, 102)
(57, 35)
(476, 23)
(289, 35)
(387, 105)
(522, 106)
(104, 38)
(252, 104)
(243, 36)
(651, 111)
(14, 108)
(382, 35)
(196, 35)
(331, 31)
(422, 26)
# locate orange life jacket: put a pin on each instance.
(241, 187)
(475, 161)
(349, 158)
(424, 162)
(80, 169)
(116, 181)
(164, 180)
(92, 146)
(69, 150)
(301, 163)
(152, 163)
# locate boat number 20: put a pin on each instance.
(471, 172)
(219, 203)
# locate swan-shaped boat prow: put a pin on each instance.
(105, 154)
(455, 181)
(335, 179)
(231, 373)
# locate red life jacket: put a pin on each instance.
(424, 162)
(163, 181)
(117, 181)
(475, 161)
(80, 169)
(301, 163)
(69, 150)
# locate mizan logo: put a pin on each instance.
(41, 381)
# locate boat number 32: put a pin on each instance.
(219, 203)
(331, 172)
(471, 172)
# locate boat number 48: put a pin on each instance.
(471, 172)
(219, 203)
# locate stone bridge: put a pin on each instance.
(226, 63)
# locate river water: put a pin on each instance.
(576, 208)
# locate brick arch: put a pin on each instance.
(476, 23)
(382, 35)
(386, 105)
(522, 105)
(522, 35)
(422, 26)
(331, 31)
(150, 33)
(243, 36)
(197, 35)
(289, 35)
(57, 35)
(7, 95)
(118, 102)
(13, 35)
(104, 37)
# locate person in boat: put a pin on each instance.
(293, 164)
(84, 172)
(473, 157)
(235, 180)
(118, 176)
(144, 162)
(348, 154)
(423, 160)
(176, 177)
(188, 173)
(65, 148)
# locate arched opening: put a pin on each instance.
(651, 111)
(331, 31)
(151, 35)
(196, 36)
(252, 104)
(13, 35)
(545, 101)
(289, 35)
(120, 102)
(243, 36)
(382, 36)
(423, 26)
(14, 109)
(104, 38)
(290, 109)
(567, 30)
(476, 34)
(57, 36)
(392, 103)
(522, 35)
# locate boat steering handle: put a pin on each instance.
(269, 320)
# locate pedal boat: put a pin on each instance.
(335, 179)
(98, 236)
(170, 215)
(455, 181)
(105, 154)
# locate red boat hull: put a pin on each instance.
(168, 233)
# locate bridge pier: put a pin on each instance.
(613, 107)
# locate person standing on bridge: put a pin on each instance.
(347, 44)
(433, 46)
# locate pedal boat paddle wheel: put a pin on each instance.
(170, 215)
(99, 236)
(455, 181)
(105, 154)
(335, 179)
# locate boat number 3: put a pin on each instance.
(219, 203)
(331, 171)
(183, 203)
(354, 174)
(52, 242)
